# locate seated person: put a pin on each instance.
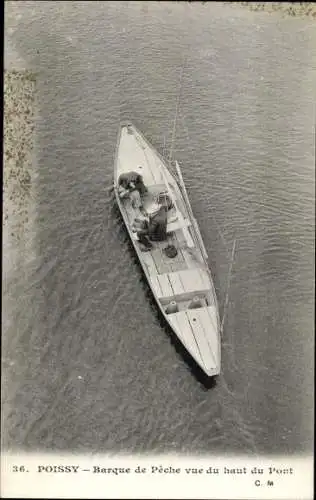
(153, 228)
(165, 200)
(157, 227)
(130, 181)
(132, 184)
(140, 227)
(136, 199)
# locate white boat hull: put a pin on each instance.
(182, 286)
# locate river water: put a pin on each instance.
(88, 364)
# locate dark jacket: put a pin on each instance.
(157, 229)
(126, 179)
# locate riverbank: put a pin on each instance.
(299, 9)
(18, 164)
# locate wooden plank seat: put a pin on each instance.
(174, 225)
(181, 285)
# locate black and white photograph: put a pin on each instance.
(158, 236)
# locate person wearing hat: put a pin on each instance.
(157, 227)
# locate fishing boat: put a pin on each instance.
(175, 264)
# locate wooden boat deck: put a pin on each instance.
(156, 261)
(193, 329)
(181, 285)
(183, 276)
(138, 156)
(143, 159)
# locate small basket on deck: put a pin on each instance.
(170, 251)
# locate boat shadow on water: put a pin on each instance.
(206, 381)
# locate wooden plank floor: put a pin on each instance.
(176, 284)
(163, 263)
(201, 336)
(191, 257)
(192, 280)
(156, 285)
(208, 319)
(180, 322)
(165, 285)
(176, 266)
(150, 263)
(161, 266)
(212, 312)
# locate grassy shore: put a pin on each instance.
(297, 9)
(19, 93)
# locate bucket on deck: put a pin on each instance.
(170, 251)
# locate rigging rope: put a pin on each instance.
(194, 159)
(177, 108)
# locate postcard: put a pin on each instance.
(158, 241)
